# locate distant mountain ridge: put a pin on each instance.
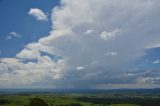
(43, 91)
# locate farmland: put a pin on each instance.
(102, 98)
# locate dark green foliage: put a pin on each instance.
(3, 101)
(72, 104)
(37, 102)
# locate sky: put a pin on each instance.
(93, 44)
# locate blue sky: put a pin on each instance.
(15, 18)
(79, 44)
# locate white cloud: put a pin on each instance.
(13, 35)
(157, 45)
(89, 31)
(147, 80)
(156, 62)
(111, 53)
(12, 61)
(28, 54)
(39, 47)
(15, 73)
(80, 68)
(110, 35)
(38, 14)
(117, 26)
(130, 74)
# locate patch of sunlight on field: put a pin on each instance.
(124, 105)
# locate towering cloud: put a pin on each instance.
(93, 43)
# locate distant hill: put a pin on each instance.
(43, 91)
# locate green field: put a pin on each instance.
(81, 99)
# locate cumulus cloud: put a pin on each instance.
(28, 54)
(16, 73)
(119, 26)
(38, 14)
